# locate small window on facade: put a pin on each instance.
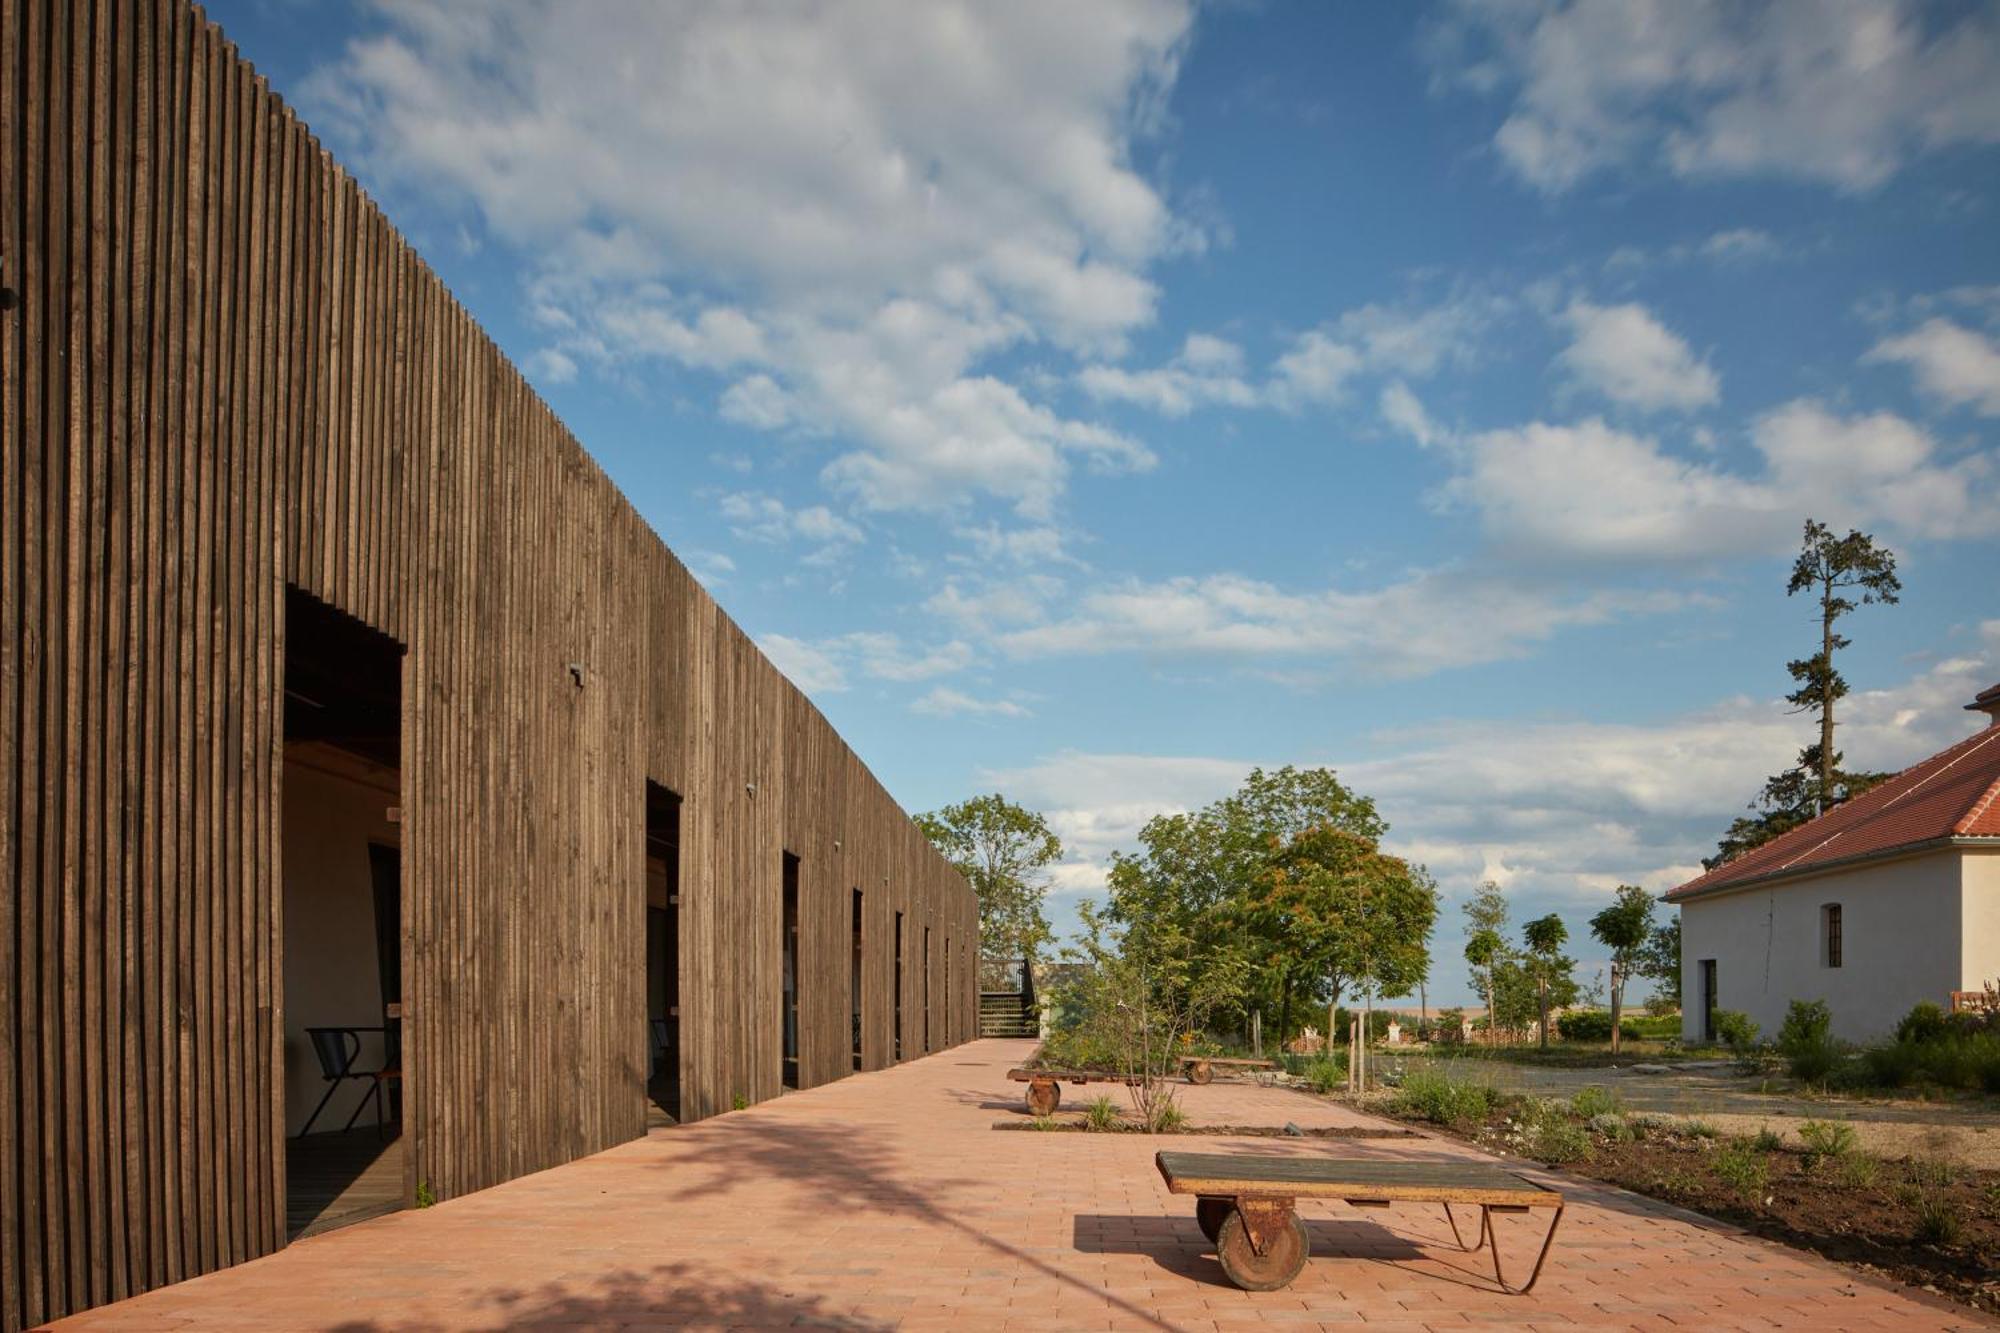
(1830, 916)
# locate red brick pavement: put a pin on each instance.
(887, 1200)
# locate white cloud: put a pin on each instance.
(1207, 372)
(811, 668)
(1741, 244)
(1953, 364)
(1316, 367)
(1627, 355)
(765, 518)
(849, 210)
(1560, 811)
(1592, 492)
(1402, 409)
(1429, 621)
(1843, 92)
(552, 366)
(943, 701)
(827, 666)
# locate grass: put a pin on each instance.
(1938, 1220)
(1701, 1129)
(1101, 1115)
(1594, 1101)
(1436, 1096)
(1739, 1165)
(1768, 1140)
(1827, 1138)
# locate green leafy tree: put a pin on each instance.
(1004, 851)
(1841, 573)
(1624, 927)
(1486, 945)
(1553, 974)
(1660, 960)
(1358, 916)
(1201, 873)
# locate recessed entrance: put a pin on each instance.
(342, 962)
(789, 999)
(663, 954)
(854, 981)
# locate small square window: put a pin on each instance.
(1830, 923)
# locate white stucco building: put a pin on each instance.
(1885, 901)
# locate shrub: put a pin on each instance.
(1923, 1023)
(1740, 1166)
(1827, 1138)
(1734, 1029)
(1594, 1025)
(1166, 1117)
(1101, 1114)
(1701, 1129)
(1558, 1141)
(1325, 1076)
(1806, 1040)
(1613, 1126)
(1593, 1101)
(1768, 1140)
(1662, 1006)
(1437, 1097)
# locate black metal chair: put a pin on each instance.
(336, 1050)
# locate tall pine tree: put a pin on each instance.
(1841, 573)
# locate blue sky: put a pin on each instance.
(1089, 402)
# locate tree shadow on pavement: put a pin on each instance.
(858, 1167)
(669, 1295)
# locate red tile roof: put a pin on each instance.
(1953, 794)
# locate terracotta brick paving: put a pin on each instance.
(888, 1201)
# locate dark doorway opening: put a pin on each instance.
(927, 990)
(1709, 999)
(789, 1000)
(899, 986)
(663, 954)
(342, 887)
(854, 981)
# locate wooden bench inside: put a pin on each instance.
(1244, 1203)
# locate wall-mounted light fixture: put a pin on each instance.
(751, 787)
(576, 674)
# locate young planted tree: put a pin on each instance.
(1201, 874)
(1545, 937)
(1142, 996)
(1004, 851)
(1840, 573)
(1360, 916)
(1486, 946)
(1624, 928)
(1660, 960)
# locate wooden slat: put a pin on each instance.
(1349, 1178)
(225, 373)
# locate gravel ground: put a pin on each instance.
(1732, 1102)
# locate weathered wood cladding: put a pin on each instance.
(223, 371)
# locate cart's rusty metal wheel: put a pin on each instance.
(1210, 1211)
(1284, 1253)
(1200, 1071)
(1044, 1096)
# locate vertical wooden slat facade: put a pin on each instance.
(221, 372)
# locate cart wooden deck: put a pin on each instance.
(1201, 1068)
(1244, 1203)
(1045, 1085)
